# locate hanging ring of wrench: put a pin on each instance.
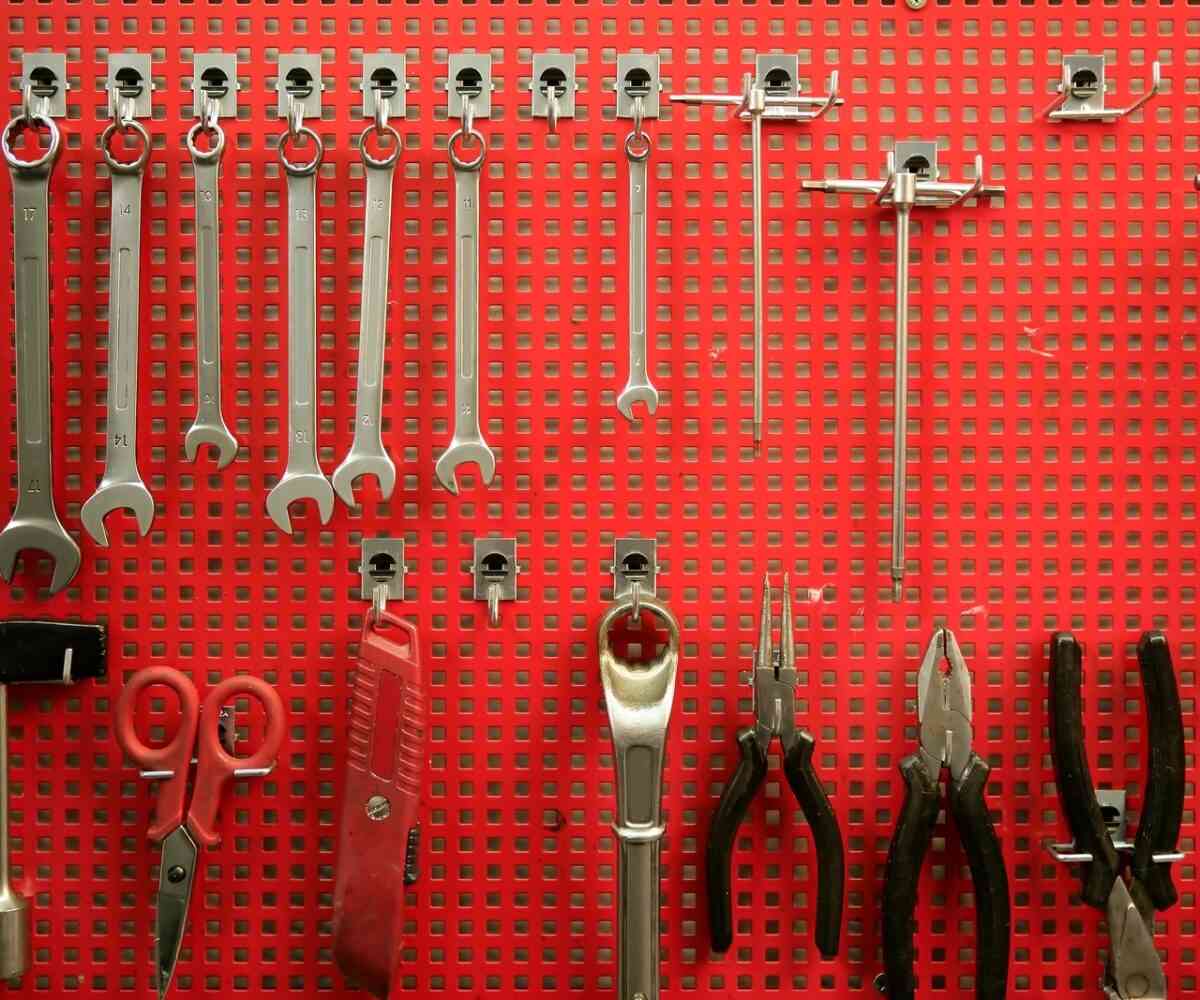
(293, 167)
(125, 126)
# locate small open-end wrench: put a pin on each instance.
(367, 456)
(121, 486)
(209, 426)
(639, 697)
(34, 523)
(302, 478)
(638, 389)
(468, 444)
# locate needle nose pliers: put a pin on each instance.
(775, 716)
(944, 711)
(1133, 969)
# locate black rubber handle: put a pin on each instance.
(1076, 792)
(914, 832)
(986, 860)
(1162, 804)
(34, 652)
(831, 855)
(731, 810)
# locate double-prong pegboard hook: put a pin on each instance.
(1080, 93)
(772, 92)
(911, 182)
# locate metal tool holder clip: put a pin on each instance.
(227, 730)
(552, 87)
(1079, 96)
(772, 92)
(1112, 807)
(635, 570)
(911, 181)
(495, 570)
(44, 85)
(382, 570)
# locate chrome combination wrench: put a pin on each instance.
(639, 388)
(34, 523)
(302, 478)
(121, 486)
(467, 444)
(209, 427)
(367, 456)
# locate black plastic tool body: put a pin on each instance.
(34, 652)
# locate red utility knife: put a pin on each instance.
(377, 851)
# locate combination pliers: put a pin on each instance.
(775, 716)
(1133, 968)
(944, 711)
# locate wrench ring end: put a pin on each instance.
(134, 166)
(301, 169)
(206, 156)
(383, 162)
(46, 158)
(461, 137)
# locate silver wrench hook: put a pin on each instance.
(34, 524)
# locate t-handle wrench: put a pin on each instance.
(638, 389)
(367, 456)
(209, 426)
(121, 485)
(302, 477)
(468, 444)
(34, 523)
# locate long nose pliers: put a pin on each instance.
(944, 711)
(775, 716)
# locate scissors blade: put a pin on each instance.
(176, 874)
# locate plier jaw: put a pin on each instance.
(944, 707)
(775, 673)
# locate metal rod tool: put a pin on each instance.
(912, 184)
(639, 698)
(34, 523)
(121, 486)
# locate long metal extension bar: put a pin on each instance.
(912, 184)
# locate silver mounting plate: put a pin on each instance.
(46, 74)
(214, 74)
(130, 76)
(919, 157)
(382, 561)
(469, 74)
(495, 564)
(638, 76)
(383, 74)
(299, 80)
(1083, 75)
(635, 560)
(553, 69)
(779, 75)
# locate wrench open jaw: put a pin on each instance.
(43, 534)
(464, 452)
(296, 486)
(215, 435)
(111, 495)
(359, 463)
(637, 391)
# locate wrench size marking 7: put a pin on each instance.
(302, 478)
(639, 388)
(34, 523)
(367, 456)
(468, 444)
(209, 427)
(121, 486)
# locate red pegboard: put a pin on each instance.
(1054, 414)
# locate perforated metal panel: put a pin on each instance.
(1053, 482)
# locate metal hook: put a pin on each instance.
(211, 113)
(295, 116)
(383, 111)
(493, 603)
(639, 115)
(379, 598)
(468, 115)
(635, 592)
(552, 109)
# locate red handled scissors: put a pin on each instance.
(180, 835)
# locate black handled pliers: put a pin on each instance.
(1133, 968)
(944, 711)
(775, 716)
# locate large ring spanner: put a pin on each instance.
(209, 427)
(302, 477)
(639, 699)
(34, 523)
(367, 456)
(121, 486)
(639, 388)
(468, 444)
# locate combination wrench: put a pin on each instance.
(639, 388)
(367, 456)
(302, 477)
(209, 426)
(34, 523)
(467, 444)
(121, 486)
